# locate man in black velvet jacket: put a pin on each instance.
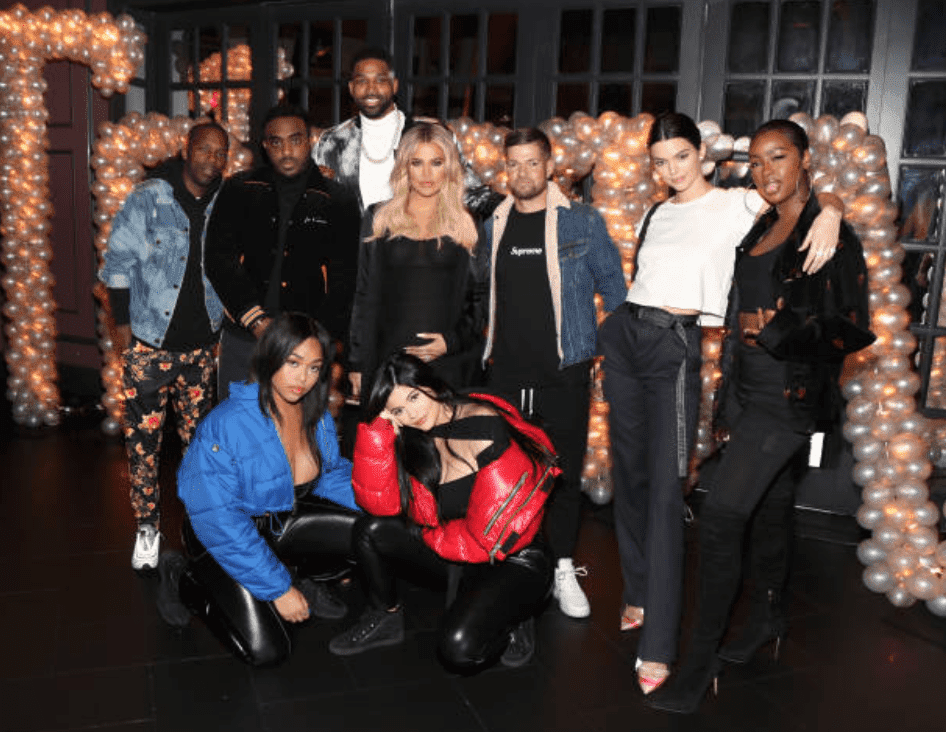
(282, 237)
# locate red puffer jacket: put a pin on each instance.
(506, 503)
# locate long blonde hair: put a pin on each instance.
(453, 220)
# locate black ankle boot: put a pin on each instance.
(766, 624)
(721, 535)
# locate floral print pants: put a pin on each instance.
(151, 376)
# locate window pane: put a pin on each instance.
(926, 124)
(426, 101)
(840, 97)
(354, 37)
(320, 106)
(617, 40)
(849, 35)
(743, 107)
(799, 29)
(502, 38)
(181, 104)
(659, 97)
(574, 54)
(135, 100)
(322, 49)
(209, 45)
(500, 103)
(921, 190)
(662, 40)
(616, 98)
(571, 98)
(427, 46)
(749, 38)
(462, 101)
(929, 50)
(789, 97)
(464, 48)
(182, 54)
(290, 41)
(936, 396)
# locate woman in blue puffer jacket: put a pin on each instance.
(267, 493)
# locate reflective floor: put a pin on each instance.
(84, 648)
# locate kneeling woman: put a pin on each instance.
(456, 487)
(267, 492)
(789, 334)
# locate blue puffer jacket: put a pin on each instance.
(235, 469)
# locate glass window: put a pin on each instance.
(574, 54)
(749, 38)
(209, 44)
(322, 49)
(571, 98)
(616, 98)
(840, 97)
(464, 44)
(320, 106)
(502, 39)
(936, 395)
(617, 40)
(742, 108)
(799, 30)
(920, 192)
(662, 40)
(290, 41)
(500, 100)
(426, 101)
(427, 33)
(135, 100)
(354, 37)
(925, 128)
(789, 97)
(182, 54)
(462, 101)
(929, 49)
(850, 33)
(658, 97)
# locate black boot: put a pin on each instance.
(721, 535)
(766, 624)
(770, 537)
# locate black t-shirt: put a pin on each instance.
(525, 348)
(754, 280)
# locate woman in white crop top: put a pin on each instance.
(651, 346)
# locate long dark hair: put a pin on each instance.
(272, 350)
(417, 455)
(670, 125)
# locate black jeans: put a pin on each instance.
(642, 363)
(484, 601)
(561, 409)
(318, 536)
(233, 363)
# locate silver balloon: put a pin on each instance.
(924, 585)
(922, 539)
(870, 552)
(900, 597)
(902, 559)
(855, 430)
(937, 606)
(869, 516)
(926, 514)
(868, 448)
(889, 537)
(110, 426)
(878, 578)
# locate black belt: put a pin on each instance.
(679, 323)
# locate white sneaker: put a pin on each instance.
(571, 598)
(147, 548)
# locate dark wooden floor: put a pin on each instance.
(82, 646)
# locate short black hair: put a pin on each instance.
(528, 136)
(375, 53)
(794, 132)
(203, 127)
(284, 110)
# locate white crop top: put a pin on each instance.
(686, 260)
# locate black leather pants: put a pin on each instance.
(484, 601)
(314, 540)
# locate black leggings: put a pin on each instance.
(316, 539)
(484, 601)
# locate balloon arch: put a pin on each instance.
(892, 442)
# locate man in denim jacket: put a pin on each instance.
(549, 255)
(166, 313)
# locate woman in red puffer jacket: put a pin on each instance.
(454, 486)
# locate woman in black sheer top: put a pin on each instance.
(421, 287)
(454, 487)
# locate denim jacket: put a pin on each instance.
(581, 260)
(147, 255)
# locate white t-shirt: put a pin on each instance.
(379, 139)
(686, 259)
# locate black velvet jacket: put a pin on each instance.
(820, 318)
(320, 253)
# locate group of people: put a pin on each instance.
(467, 325)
